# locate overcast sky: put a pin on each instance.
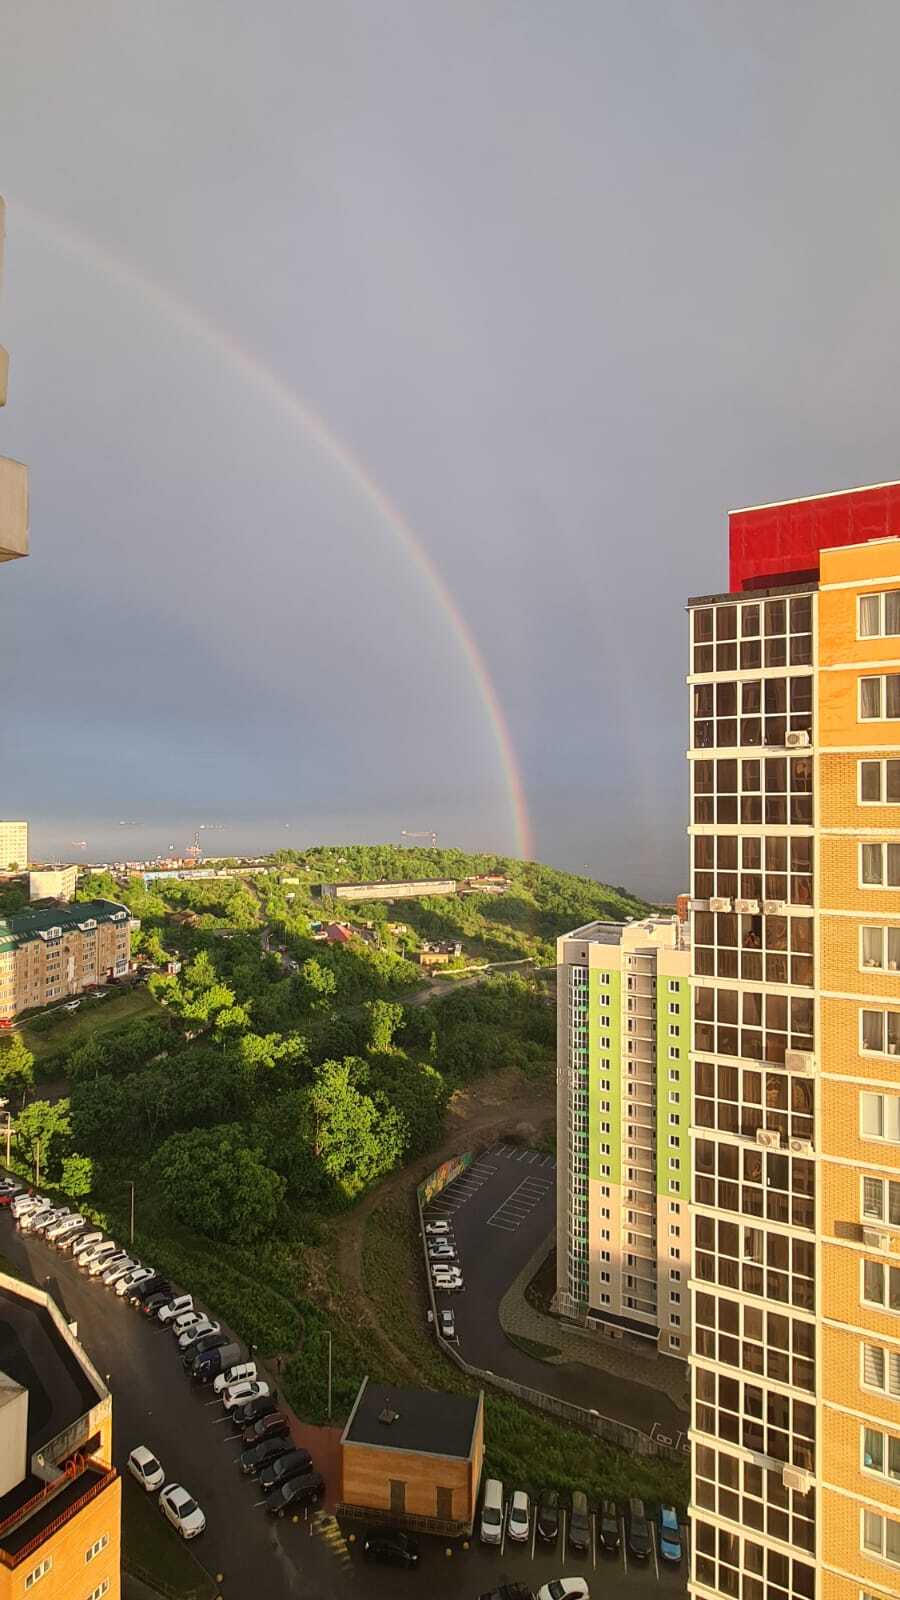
(563, 282)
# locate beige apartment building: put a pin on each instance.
(49, 955)
(623, 1118)
(13, 475)
(13, 846)
(52, 883)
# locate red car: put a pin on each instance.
(274, 1426)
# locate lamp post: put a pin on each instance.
(4, 1106)
(131, 1237)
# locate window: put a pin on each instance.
(879, 698)
(879, 1032)
(880, 947)
(38, 1572)
(675, 1230)
(675, 1320)
(674, 1009)
(674, 1077)
(443, 1502)
(96, 1548)
(879, 614)
(879, 1116)
(100, 1591)
(881, 1285)
(674, 1341)
(674, 1030)
(881, 1536)
(673, 985)
(673, 1053)
(879, 866)
(879, 783)
(881, 1201)
(674, 1164)
(881, 1370)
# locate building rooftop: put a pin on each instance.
(34, 1355)
(20, 927)
(421, 1420)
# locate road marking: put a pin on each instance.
(655, 1562)
(533, 1532)
(564, 1530)
(259, 1503)
(503, 1531)
(624, 1545)
(594, 1540)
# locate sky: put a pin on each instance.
(386, 373)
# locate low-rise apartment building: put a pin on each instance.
(52, 883)
(46, 955)
(60, 1495)
(623, 1118)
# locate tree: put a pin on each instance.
(317, 983)
(41, 1129)
(384, 1020)
(77, 1176)
(16, 1069)
(355, 1137)
(216, 1182)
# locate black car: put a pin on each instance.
(291, 1465)
(579, 1524)
(151, 1305)
(395, 1549)
(275, 1426)
(548, 1517)
(296, 1492)
(157, 1285)
(262, 1406)
(640, 1538)
(257, 1456)
(608, 1524)
(209, 1341)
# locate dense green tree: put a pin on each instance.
(384, 1018)
(41, 1133)
(16, 1070)
(355, 1136)
(215, 1182)
(77, 1177)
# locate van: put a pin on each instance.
(492, 1512)
(244, 1372)
(210, 1363)
(640, 1539)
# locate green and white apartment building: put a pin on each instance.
(623, 1118)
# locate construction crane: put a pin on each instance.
(193, 851)
(405, 833)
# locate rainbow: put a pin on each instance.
(293, 405)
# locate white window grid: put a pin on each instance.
(878, 781)
(879, 1369)
(878, 697)
(880, 1536)
(878, 614)
(879, 948)
(879, 1117)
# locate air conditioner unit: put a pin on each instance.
(748, 908)
(768, 1139)
(796, 1478)
(802, 1147)
(699, 905)
(796, 740)
(718, 904)
(802, 1061)
(775, 908)
(873, 1239)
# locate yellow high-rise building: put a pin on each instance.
(795, 833)
(13, 476)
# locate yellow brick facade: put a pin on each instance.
(72, 1576)
(845, 988)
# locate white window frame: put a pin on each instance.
(39, 1572)
(101, 1589)
(882, 1221)
(97, 1548)
(866, 1549)
(883, 1012)
(879, 595)
(877, 1138)
(873, 1472)
(872, 1388)
(881, 764)
(881, 678)
(885, 1304)
(877, 927)
(881, 884)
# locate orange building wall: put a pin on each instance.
(71, 1577)
(366, 1474)
(840, 952)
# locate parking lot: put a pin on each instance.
(499, 1211)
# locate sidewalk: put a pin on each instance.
(520, 1319)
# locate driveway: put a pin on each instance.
(500, 1209)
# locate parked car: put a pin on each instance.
(446, 1277)
(156, 1284)
(579, 1524)
(296, 1492)
(394, 1549)
(106, 1258)
(182, 1510)
(174, 1307)
(438, 1226)
(442, 1252)
(548, 1517)
(29, 1218)
(86, 1258)
(262, 1406)
(196, 1331)
(608, 1526)
(293, 1464)
(205, 1365)
(274, 1426)
(155, 1302)
(447, 1324)
(518, 1521)
(143, 1465)
(492, 1512)
(185, 1320)
(117, 1270)
(669, 1534)
(256, 1456)
(63, 1226)
(80, 1241)
(27, 1202)
(565, 1589)
(237, 1394)
(46, 1219)
(242, 1372)
(640, 1538)
(133, 1280)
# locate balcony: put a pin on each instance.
(13, 509)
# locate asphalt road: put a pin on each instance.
(500, 1210)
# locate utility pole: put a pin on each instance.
(37, 1164)
(131, 1240)
(4, 1105)
(329, 1377)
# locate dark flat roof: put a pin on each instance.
(429, 1422)
(35, 1356)
(806, 583)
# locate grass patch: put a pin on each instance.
(155, 1552)
(542, 1287)
(50, 1033)
(533, 1347)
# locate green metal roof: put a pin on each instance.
(22, 927)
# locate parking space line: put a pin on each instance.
(533, 1529)
(564, 1531)
(624, 1545)
(655, 1561)
(594, 1539)
(503, 1531)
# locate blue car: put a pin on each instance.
(669, 1534)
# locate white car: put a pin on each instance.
(116, 1270)
(28, 1220)
(80, 1240)
(105, 1260)
(446, 1274)
(185, 1320)
(565, 1589)
(518, 1521)
(133, 1278)
(237, 1394)
(244, 1372)
(96, 1259)
(182, 1510)
(84, 1254)
(46, 1220)
(24, 1203)
(437, 1227)
(442, 1252)
(64, 1225)
(174, 1307)
(205, 1325)
(143, 1465)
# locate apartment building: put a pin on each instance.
(623, 1116)
(50, 954)
(52, 883)
(795, 833)
(13, 475)
(60, 1495)
(13, 846)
